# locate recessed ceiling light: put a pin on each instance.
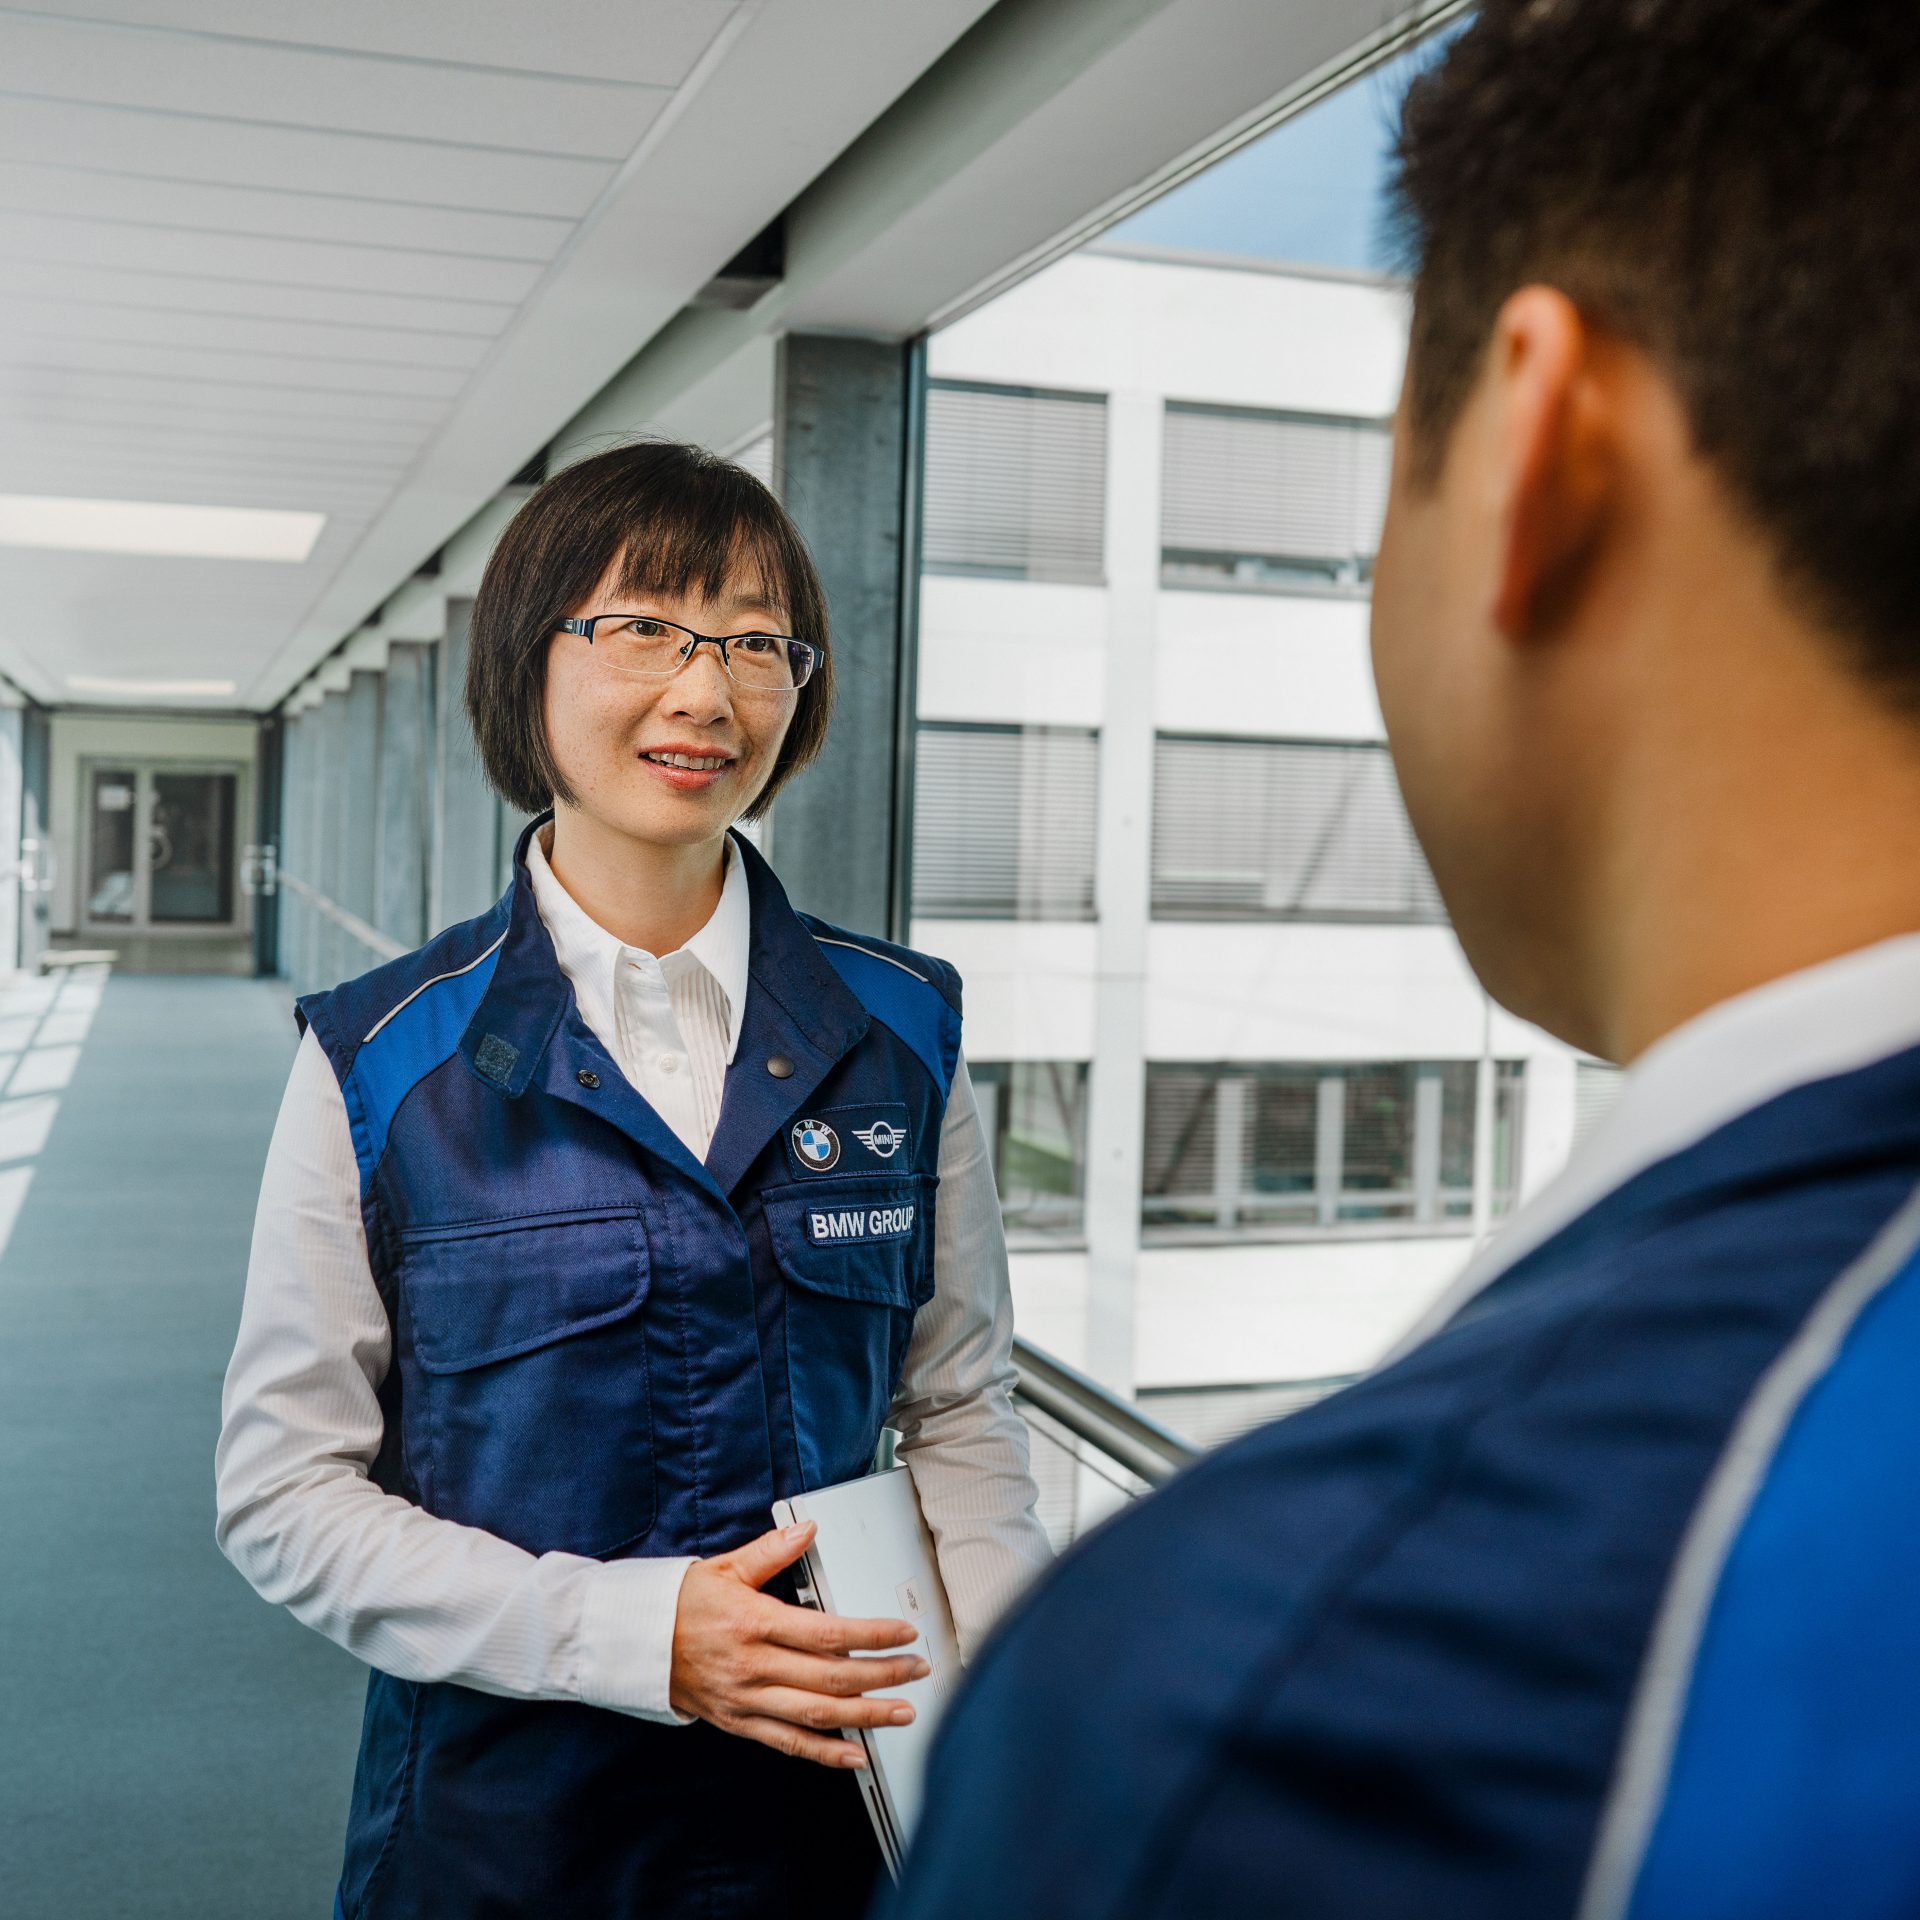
(146, 689)
(157, 527)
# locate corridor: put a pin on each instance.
(174, 1749)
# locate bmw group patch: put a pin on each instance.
(817, 1145)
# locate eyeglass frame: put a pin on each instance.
(583, 625)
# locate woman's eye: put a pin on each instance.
(755, 642)
(646, 629)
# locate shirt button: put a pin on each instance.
(669, 1063)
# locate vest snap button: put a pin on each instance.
(588, 1078)
(780, 1067)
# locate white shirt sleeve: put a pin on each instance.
(418, 1597)
(960, 1434)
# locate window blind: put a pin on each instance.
(1297, 493)
(1283, 830)
(1004, 822)
(1016, 483)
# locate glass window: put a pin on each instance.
(1273, 500)
(1035, 1114)
(1283, 830)
(1314, 1150)
(1016, 482)
(1004, 822)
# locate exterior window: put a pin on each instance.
(1003, 822)
(1035, 1114)
(1596, 1086)
(1315, 1151)
(1016, 483)
(1271, 500)
(1283, 830)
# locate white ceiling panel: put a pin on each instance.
(28, 239)
(293, 159)
(65, 281)
(363, 259)
(22, 388)
(278, 371)
(221, 78)
(75, 195)
(612, 39)
(242, 333)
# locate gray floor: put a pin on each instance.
(169, 1744)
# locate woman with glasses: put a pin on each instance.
(594, 1227)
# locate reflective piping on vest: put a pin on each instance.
(425, 984)
(1660, 1697)
(854, 947)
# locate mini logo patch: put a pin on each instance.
(881, 1138)
(847, 1226)
(817, 1145)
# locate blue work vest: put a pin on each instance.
(603, 1347)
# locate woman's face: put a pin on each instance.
(611, 732)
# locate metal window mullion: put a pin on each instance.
(1428, 1091)
(1329, 1146)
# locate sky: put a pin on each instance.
(1313, 190)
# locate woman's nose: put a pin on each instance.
(701, 690)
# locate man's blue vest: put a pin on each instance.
(603, 1347)
(1602, 1602)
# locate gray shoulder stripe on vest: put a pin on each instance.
(1660, 1695)
(853, 946)
(452, 974)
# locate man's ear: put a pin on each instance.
(1551, 453)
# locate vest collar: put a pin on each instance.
(527, 1029)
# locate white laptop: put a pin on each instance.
(872, 1558)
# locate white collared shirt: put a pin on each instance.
(427, 1599)
(672, 1022)
(1806, 1026)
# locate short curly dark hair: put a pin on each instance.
(679, 517)
(1731, 185)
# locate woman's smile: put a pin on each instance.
(687, 769)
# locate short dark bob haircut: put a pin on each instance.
(1730, 185)
(678, 518)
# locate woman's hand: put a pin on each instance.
(784, 1675)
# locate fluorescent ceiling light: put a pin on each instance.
(157, 526)
(146, 689)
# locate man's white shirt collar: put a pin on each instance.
(1825, 1020)
(591, 957)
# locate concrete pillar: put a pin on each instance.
(466, 811)
(331, 830)
(846, 456)
(360, 777)
(1116, 1111)
(286, 906)
(12, 795)
(402, 850)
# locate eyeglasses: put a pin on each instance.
(658, 649)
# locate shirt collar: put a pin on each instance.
(1824, 1020)
(591, 957)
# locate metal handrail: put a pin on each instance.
(1097, 1415)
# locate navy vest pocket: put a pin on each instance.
(857, 1255)
(530, 1339)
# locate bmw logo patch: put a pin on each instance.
(817, 1144)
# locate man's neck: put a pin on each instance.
(648, 895)
(1784, 833)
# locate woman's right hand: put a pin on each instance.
(784, 1675)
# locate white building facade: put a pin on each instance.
(1251, 1108)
